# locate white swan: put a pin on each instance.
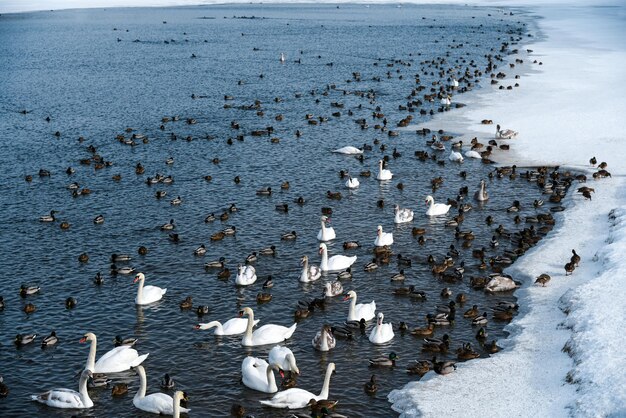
(68, 398)
(500, 284)
(505, 133)
(435, 209)
(282, 57)
(326, 233)
(402, 215)
(445, 100)
(383, 238)
(233, 326)
(454, 83)
(381, 333)
(360, 311)
(284, 358)
(383, 174)
(349, 150)
(257, 374)
(334, 288)
(245, 276)
(310, 273)
(147, 294)
(267, 334)
(324, 340)
(117, 360)
(473, 154)
(296, 398)
(481, 194)
(157, 403)
(178, 395)
(352, 183)
(336, 262)
(456, 157)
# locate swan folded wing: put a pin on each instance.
(366, 311)
(157, 403)
(153, 293)
(116, 360)
(293, 398)
(60, 398)
(271, 333)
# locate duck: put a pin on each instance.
(500, 283)
(371, 266)
(456, 157)
(350, 245)
(424, 331)
(119, 341)
(266, 191)
(156, 403)
(575, 258)
(348, 150)
(438, 345)
(334, 288)
(200, 251)
(481, 194)
(359, 311)
(246, 275)
(168, 226)
(345, 275)
(24, 339)
(223, 274)
(29, 308)
(381, 333)
(466, 352)
(271, 250)
(480, 319)
(229, 230)
(251, 258)
(147, 294)
(310, 273)
(209, 218)
(384, 361)
(383, 174)
(215, 264)
(289, 236)
(325, 233)
(167, 382)
(4, 389)
(402, 215)
(296, 398)
(324, 340)
(268, 283)
(473, 312)
(267, 334)
(542, 279)
(48, 218)
(50, 340)
(352, 182)
(68, 398)
(420, 367)
(116, 360)
(336, 262)
(398, 276)
(371, 387)
(435, 209)
(383, 238)
(26, 290)
(258, 374)
(176, 201)
(505, 133)
(443, 367)
(234, 326)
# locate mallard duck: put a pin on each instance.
(50, 340)
(187, 303)
(371, 266)
(504, 315)
(167, 382)
(398, 276)
(542, 279)
(142, 250)
(119, 389)
(263, 297)
(569, 268)
(404, 291)
(26, 290)
(424, 331)
(492, 347)
(466, 352)
(371, 387)
(268, 251)
(200, 251)
(209, 218)
(218, 236)
(481, 334)
(168, 226)
(420, 367)
(461, 298)
(24, 339)
(119, 341)
(70, 303)
(202, 310)
(289, 236)
(437, 345)
(223, 274)
(446, 292)
(575, 258)
(345, 275)
(48, 218)
(251, 258)
(472, 312)
(267, 191)
(229, 230)
(389, 361)
(215, 264)
(350, 245)
(98, 279)
(480, 319)
(443, 367)
(29, 308)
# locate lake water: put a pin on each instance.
(97, 72)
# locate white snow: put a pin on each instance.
(566, 111)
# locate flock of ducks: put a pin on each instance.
(259, 374)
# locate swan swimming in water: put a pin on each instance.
(383, 238)
(296, 398)
(456, 157)
(245, 276)
(284, 358)
(435, 209)
(233, 326)
(336, 262)
(267, 334)
(324, 340)
(381, 333)
(356, 312)
(383, 174)
(349, 150)
(473, 154)
(481, 194)
(402, 215)
(116, 360)
(310, 273)
(352, 183)
(147, 294)
(325, 233)
(68, 398)
(257, 374)
(157, 403)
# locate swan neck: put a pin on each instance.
(91, 359)
(353, 307)
(271, 379)
(214, 324)
(248, 335)
(82, 389)
(176, 413)
(140, 292)
(326, 387)
(141, 393)
(324, 263)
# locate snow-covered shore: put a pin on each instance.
(567, 111)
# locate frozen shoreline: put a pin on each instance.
(566, 113)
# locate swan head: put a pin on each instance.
(245, 311)
(304, 260)
(90, 336)
(139, 277)
(379, 230)
(429, 199)
(379, 319)
(322, 249)
(325, 218)
(350, 295)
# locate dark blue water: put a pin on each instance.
(95, 73)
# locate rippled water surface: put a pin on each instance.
(97, 72)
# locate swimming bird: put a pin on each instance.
(50, 340)
(167, 382)
(334, 288)
(435, 209)
(402, 215)
(381, 333)
(67, 398)
(481, 194)
(325, 233)
(352, 182)
(24, 339)
(324, 340)
(349, 150)
(116, 360)
(267, 334)
(455, 157)
(384, 361)
(234, 326)
(371, 387)
(156, 403)
(336, 262)
(383, 238)
(147, 294)
(356, 312)
(383, 174)
(246, 275)
(296, 398)
(200, 251)
(310, 273)
(48, 218)
(258, 374)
